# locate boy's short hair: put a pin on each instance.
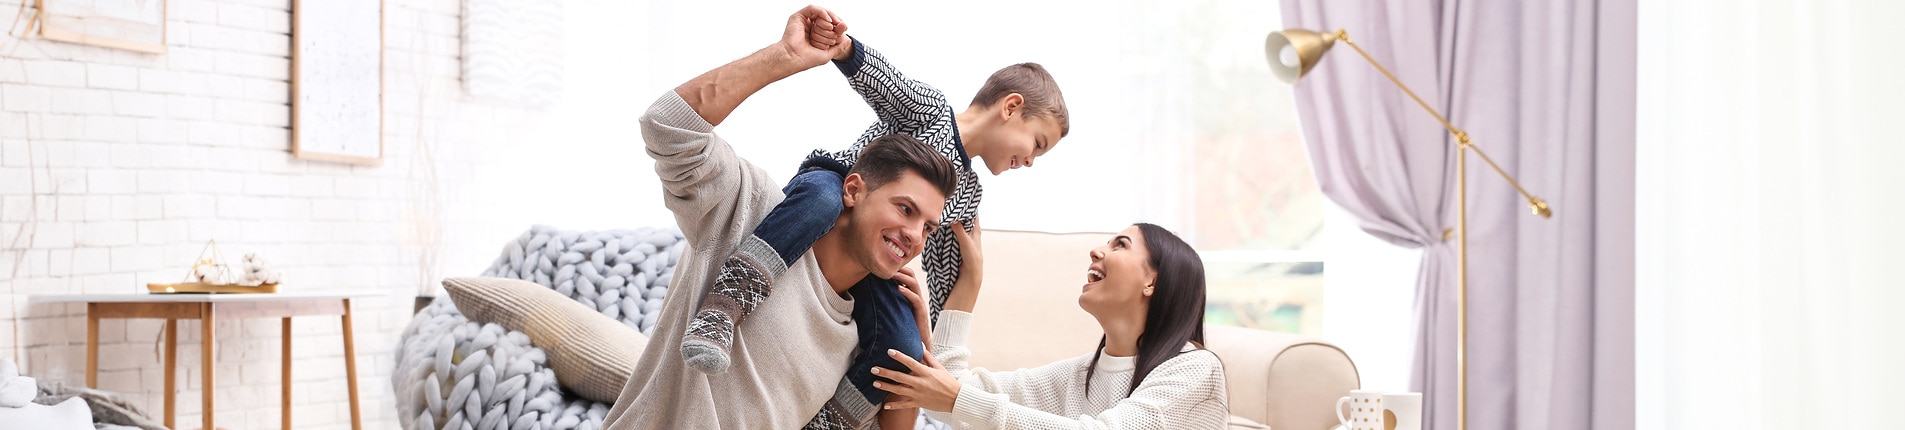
(1029, 80)
(884, 159)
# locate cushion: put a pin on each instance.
(1241, 423)
(591, 354)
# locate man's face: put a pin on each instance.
(885, 228)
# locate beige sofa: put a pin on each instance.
(1028, 315)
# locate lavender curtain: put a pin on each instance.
(1547, 89)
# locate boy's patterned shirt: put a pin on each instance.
(913, 108)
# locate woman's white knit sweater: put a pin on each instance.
(1185, 392)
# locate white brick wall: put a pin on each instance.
(116, 167)
(56, 73)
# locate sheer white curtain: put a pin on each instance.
(1768, 184)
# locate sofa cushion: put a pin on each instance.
(1241, 423)
(1287, 380)
(591, 354)
(1027, 314)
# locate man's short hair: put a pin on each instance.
(884, 159)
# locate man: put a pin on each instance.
(790, 361)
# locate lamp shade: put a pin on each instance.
(1293, 52)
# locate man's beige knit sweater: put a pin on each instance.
(789, 356)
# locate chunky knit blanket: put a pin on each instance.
(456, 374)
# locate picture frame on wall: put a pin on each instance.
(136, 25)
(337, 81)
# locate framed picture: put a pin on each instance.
(137, 25)
(337, 81)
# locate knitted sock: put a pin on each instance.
(744, 283)
(739, 289)
(846, 410)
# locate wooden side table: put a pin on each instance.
(208, 308)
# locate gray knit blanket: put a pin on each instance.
(456, 374)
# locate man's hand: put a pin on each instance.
(812, 36)
(830, 35)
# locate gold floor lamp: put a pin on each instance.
(1292, 53)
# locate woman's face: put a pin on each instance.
(1120, 280)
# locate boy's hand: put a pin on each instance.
(830, 34)
(795, 39)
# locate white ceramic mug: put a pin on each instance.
(1365, 410)
(1402, 411)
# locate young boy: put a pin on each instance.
(1017, 116)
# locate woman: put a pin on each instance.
(1146, 289)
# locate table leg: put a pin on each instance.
(92, 346)
(350, 368)
(286, 370)
(171, 369)
(206, 321)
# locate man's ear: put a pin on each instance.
(1011, 105)
(853, 189)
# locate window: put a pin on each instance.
(1252, 205)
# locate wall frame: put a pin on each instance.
(337, 81)
(136, 25)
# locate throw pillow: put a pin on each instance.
(592, 354)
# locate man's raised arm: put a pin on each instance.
(803, 45)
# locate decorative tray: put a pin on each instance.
(197, 287)
(209, 275)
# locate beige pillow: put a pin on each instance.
(592, 354)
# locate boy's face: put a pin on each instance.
(886, 227)
(1019, 140)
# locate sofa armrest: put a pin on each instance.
(1282, 380)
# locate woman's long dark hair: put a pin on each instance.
(1176, 313)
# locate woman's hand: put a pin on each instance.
(930, 386)
(965, 293)
(915, 293)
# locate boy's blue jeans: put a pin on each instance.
(885, 321)
(812, 205)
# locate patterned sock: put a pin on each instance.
(846, 410)
(744, 283)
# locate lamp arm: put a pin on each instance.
(1537, 205)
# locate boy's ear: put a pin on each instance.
(853, 189)
(1011, 105)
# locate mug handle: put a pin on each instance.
(1340, 402)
